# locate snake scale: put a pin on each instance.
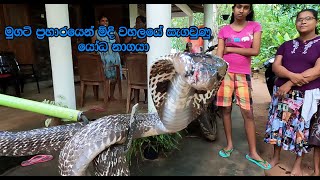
(181, 85)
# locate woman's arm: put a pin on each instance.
(221, 47)
(282, 72)
(279, 70)
(284, 89)
(297, 79)
(312, 73)
(253, 51)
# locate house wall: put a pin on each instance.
(17, 15)
(33, 51)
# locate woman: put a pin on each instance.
(140, 23)
(314, 140)
(188, 47)
(237, 42)
(110, 59)
(294, 102)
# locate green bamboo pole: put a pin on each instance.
(39, 107)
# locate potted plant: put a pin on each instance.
(152, 147)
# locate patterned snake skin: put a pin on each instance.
(181, 86)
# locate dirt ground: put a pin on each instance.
(261, 100)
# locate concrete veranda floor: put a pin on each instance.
(195, 156)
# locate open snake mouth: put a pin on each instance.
(201, 71)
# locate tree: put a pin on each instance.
(278, 24)
(277, 21)
(179, 44)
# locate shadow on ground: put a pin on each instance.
(196, 156)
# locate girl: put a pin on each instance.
(296, 93)
(237, 42)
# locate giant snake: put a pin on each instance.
(181, 85)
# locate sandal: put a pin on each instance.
(98, 109)
(37, 159)
(260, 163)
(225, 153)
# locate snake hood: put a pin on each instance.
(203, 72)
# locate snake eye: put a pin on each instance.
(189, 73)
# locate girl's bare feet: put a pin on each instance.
(296, 172)
(274, 162)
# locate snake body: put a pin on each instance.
(37, 141)
(181, 86)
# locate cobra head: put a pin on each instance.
(203, 72)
